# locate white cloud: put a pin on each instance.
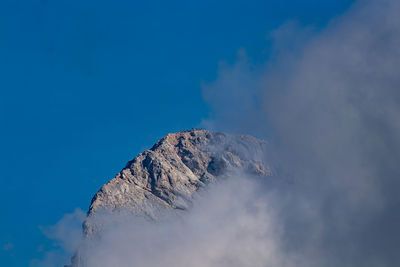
(331, 109)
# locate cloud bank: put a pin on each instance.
(331, 108)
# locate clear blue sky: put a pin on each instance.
(87, 85)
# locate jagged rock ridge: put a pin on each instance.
(167, 175)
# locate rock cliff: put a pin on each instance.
(165, 177)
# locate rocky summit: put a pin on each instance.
(166, 177)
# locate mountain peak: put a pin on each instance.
(166, 176)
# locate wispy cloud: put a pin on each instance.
(66, 236)
(330, 107)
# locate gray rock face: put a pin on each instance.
(166, 176)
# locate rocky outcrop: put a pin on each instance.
(167, 175)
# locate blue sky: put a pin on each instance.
(87, 85)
